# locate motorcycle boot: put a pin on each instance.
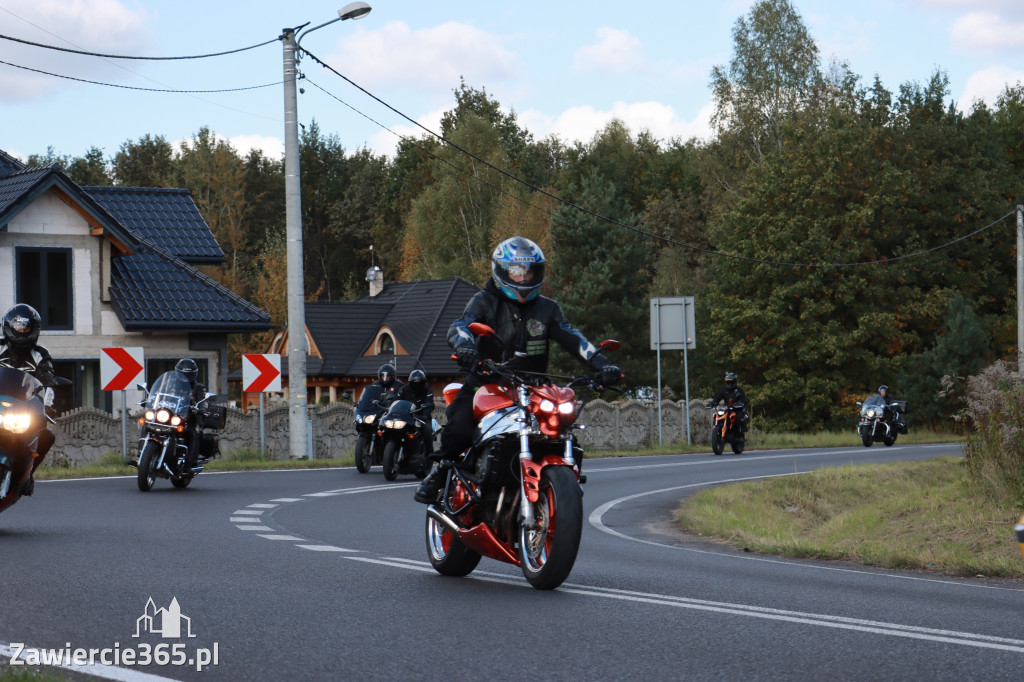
(426, 493)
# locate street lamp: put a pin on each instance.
(298, 402)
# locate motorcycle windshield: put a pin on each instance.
(872, 402)
(172, 392)
(370, 393)
(17, 385)
(400, 409)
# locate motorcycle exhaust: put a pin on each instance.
(442, 518)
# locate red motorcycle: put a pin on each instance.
(23, 419)
(728, 427)
(515, 495)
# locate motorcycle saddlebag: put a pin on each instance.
(216, 417)
(209, 445)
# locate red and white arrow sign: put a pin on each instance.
(121, 368)
(261, 372)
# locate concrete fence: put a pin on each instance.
(83, 435)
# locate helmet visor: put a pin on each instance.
(521, 275)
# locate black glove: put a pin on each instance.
(609, 375)
(467, 357)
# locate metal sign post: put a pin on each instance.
(673, 327)
(120, 368)
(262, 373)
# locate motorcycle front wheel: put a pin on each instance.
(717, 445)
(181, 481)
(363, 453)
(866, 438)
(447, 554)
(548, 552)
(391, 452)
(147, 460)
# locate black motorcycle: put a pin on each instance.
(164, 425)
(370, 441)
(881, 422)
(404, 449)
(22, 420)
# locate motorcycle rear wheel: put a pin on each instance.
(391, 452)
(447, 554)
(181, 481)
(717, 446)
(146, 462)
(547, 554)
(363, 454)
(889, 440)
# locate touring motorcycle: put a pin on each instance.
(163, 432)
(370, 441)
(404, 449)
(727, 427)
(880, 422)
(23, 419)
(514, 495)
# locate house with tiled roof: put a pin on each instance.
(115, 267)
(402, 323)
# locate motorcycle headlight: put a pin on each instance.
(721, 411)
(397, 424)
(16, 422)
(567, 408)
(163, 416)
(547, 406)
(871, 413)
(368, 419)
(175, 420)
(150, 415)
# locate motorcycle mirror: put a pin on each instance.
(141, 385)
(610, 344)
(61, 381)
(481, 329)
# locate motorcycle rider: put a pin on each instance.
(525, 322)
(387, 379)
(19, 350)
(190, 369)
(889, 400)
(732, 394)
(419, 393)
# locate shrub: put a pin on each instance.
(993, 418)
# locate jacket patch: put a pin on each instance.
(535, 327)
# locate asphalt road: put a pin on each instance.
(323, 575)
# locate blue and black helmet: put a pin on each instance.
(517, 267)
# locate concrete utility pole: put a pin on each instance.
(299, 445)
(1020, 287)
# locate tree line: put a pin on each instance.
(806, 227)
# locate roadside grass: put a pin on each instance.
(925, 515)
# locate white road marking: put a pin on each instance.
(290, 538)
(326, 548)
(260, 505)
(288, 499)
(254, 528)
(248, 511)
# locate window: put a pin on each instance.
(44, 282)
(386, 345)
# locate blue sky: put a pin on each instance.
(564, 67)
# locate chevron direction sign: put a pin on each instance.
(121, 368)
(261, 372)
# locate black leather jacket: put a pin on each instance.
(36, 362)
(524, 327)
(731, 396)
(424, 402)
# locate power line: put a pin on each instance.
(134, 87)
(124, 56)
(617, 223)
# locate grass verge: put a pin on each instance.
(908, 515)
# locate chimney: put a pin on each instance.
(376, 279)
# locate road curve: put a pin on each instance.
(322, 574)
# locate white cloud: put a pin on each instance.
(431, 58)
(272, 147)
(104, 26)
(987, 31)
(582, 123)
(988, 84)
(615, 51)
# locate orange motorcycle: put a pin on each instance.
(728, 427)
(514, 495)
